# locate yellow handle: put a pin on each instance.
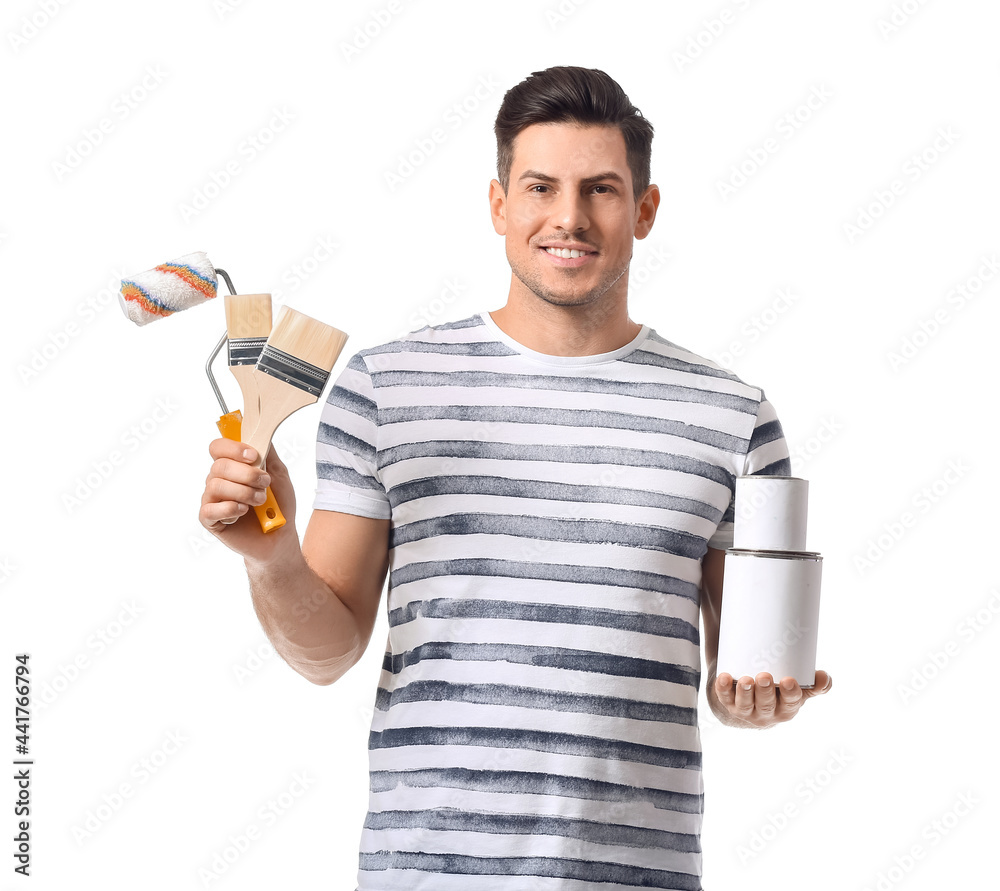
(268, 513)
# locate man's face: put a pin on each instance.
(569, 216)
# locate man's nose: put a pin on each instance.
(570, 212)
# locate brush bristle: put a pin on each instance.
(307, 339)
(248, 315)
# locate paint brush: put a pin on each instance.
(292, 371)
(248, 324)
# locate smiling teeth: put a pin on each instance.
(565, 253)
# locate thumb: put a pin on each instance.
(824, 684)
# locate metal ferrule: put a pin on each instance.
(245, 350)
(293, 371)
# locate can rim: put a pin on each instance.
(785, 555)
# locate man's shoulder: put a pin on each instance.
(469, 336)
(658, 352)
(469, 329)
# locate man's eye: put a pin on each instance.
(539, 188)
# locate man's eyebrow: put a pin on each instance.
(544, 177)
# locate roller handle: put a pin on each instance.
(268, 513)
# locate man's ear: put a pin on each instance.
(646, 211)
(498, 207)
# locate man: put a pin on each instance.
(551, 485)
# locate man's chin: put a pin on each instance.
(567, 300)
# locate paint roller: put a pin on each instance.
(190, 281)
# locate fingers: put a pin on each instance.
(744, 697)
(229, 448)
(736, 697)
(218, 489)
(233, 484)
(761, 701)
(789, 699)
(725, 689)
(226, 471)
(225, 513)
(765, 698)
(234, 461)
(244, 454)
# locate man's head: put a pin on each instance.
(573, 95)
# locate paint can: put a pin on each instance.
(771, 513)
(770, 614)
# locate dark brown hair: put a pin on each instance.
(580, 95)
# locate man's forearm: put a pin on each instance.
(306, 622)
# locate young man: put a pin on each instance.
(551, 487)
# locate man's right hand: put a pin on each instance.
(233, 487)
(316, 602)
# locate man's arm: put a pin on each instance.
(316, 602)
(712, 571)
(752, 702)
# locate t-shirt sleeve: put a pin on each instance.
(347, 476)
(767, 455)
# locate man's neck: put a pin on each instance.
(566, 330)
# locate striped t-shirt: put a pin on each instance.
(536, 718)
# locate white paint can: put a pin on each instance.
(771, 513)
(770, 614)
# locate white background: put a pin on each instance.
(899, 453)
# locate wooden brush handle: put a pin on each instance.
(277, 401)
(268, 514)
(246, 378)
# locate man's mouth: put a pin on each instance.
(566, 253)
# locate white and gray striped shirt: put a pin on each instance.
(536, 718)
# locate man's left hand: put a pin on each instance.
(762, 703)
